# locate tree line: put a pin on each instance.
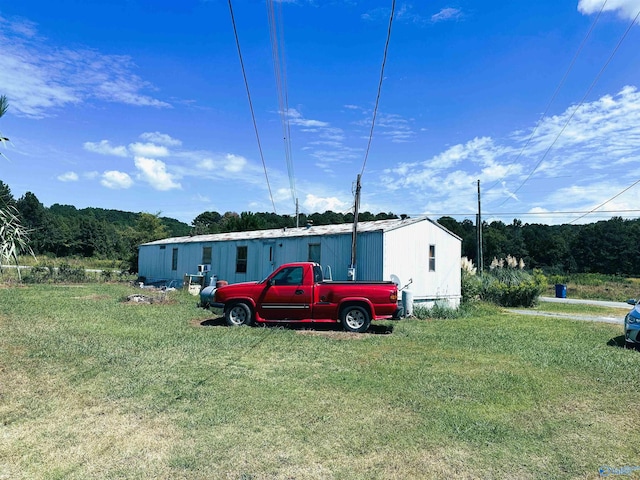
(609, 247)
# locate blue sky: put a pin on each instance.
(140, 105)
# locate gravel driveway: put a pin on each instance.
(587, 318)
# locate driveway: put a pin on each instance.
(599, 303)
(587, 318)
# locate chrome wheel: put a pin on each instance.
(355, 319)
(238, 315)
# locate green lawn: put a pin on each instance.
(93, 387)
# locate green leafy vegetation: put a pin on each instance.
(506, 284)
(94, 387)
(606, 247)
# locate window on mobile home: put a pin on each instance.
(432, 258)
(241, 260)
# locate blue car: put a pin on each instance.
(632, 325)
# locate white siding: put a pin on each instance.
(407, 256)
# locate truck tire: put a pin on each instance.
(355, 319)
(238, 314)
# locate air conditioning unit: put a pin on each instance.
(204, 268)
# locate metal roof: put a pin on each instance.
(314, 230)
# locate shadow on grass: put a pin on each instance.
(374, 329)
(620, 343)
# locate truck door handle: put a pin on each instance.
(299, 292)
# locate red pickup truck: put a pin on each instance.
(297, 292)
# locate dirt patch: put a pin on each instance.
(333, 334)
(93, 296)
(333, 331)
(211, 322)
(148, 299)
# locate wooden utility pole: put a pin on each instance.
(297, 215)
(354, 235)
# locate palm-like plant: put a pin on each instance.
(14, 237)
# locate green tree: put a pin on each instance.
(34, 218)
(206, 222)
(149, 228)
(6, 198)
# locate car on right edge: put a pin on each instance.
(632, 325)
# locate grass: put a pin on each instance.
(93, 387)
(598, 287)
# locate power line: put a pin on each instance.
(593, 84)
(604, 203)
(375, 109)
(276, 27)
(553, 97)
(253, 116)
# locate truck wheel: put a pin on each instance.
(355, 319)
(238, 315)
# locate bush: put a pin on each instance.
(471, 286)
(510, 287)
(38, 274)
(67, 273)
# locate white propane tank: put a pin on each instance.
(407, 302)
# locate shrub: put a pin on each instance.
(510, 287)
(471, 286)
(38, 274)
(106, 275)
(68, 273)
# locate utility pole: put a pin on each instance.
(479, 233)
(354, 236)
(297, 215)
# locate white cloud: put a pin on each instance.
(567, 165)
(116, 180)
(296, 118)
(234, 163)
(22, 27)
(229, 163)
(161, 139)
(595, 135)
(148, 150)
(446, 14)
(40, 78)
(105, 148)
(68, 177)
(624, 8)
(395, 127)
(313, 203)
(154, 172)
